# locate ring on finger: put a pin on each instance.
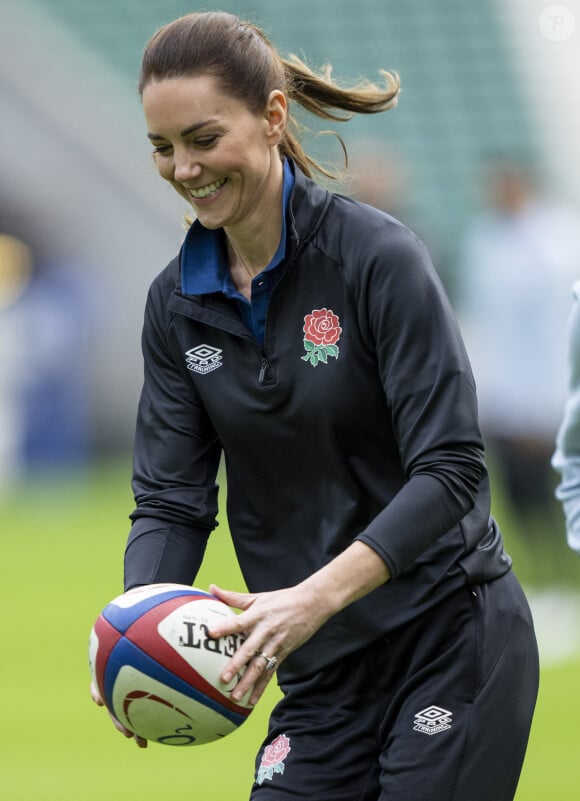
(271, 661)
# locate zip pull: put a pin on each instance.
(264, 367)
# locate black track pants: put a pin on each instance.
(440, 711)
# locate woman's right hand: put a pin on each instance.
(95, 695)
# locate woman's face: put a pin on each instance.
(213, 150)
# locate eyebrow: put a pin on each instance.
(186, 131)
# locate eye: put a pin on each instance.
(161, 150)
(206, 141)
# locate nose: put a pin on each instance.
(186, 166)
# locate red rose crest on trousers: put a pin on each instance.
(321, 333)
(273, 758)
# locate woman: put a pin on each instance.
(307, 337)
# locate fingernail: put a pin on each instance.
(227, 677)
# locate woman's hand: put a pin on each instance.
(276, 623)
(117, 724)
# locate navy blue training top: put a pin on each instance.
(204, 267)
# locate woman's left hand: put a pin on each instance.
(274, 624)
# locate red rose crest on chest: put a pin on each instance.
(321, 333)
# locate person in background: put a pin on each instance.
(380, 175)
(307, 338)
(520, 256)
(15, 276)
(566, 458)
(47, 322)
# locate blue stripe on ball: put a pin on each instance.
(122, 617)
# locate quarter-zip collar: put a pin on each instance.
(307, 207)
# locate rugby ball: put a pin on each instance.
(157, 670)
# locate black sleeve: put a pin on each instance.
(175, 463)
(158, 552)
(430, 391)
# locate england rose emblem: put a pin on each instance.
(273, 758)
(321, 333)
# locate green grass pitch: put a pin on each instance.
(61, 562)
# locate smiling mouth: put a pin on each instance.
(206, 191)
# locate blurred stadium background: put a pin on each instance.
(85, 224)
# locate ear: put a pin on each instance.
(276, 115)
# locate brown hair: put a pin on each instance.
(248, 67)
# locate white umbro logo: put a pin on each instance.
(203, 359)
(432, 720)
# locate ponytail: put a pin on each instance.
(319, 95)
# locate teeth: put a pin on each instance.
(205, 191)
